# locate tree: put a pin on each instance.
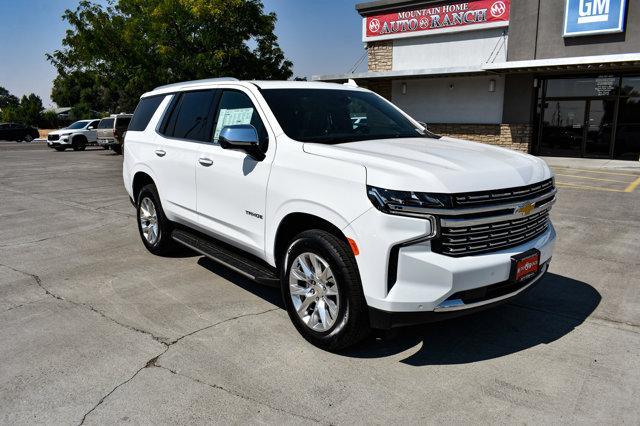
(27, 110)
(7, 99)
(113, 54)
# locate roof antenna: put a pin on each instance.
(351, 82)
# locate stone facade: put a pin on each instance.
(513, 136)
(380, 55)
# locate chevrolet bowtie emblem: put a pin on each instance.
(525, 209)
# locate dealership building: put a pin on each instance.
(549, 77)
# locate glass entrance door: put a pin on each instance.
(599, 128)
(562, 130)
(577, 128)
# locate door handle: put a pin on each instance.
(205, 161)
(160, 153)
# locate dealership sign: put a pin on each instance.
(588, 17)
(450, 17)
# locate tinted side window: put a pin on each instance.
(144, 111)
(106, 123)
(236, 108)
(193, 119)
(122, 122)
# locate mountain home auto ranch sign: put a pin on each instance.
(451, 17)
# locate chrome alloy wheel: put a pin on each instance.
(314, 292)
(149, 221)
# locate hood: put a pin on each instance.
(63, 131)
(443, 165)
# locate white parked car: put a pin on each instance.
(371, 226)
(78, 136)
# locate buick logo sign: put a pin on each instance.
(374, 26)
(498, 9)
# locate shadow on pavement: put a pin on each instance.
(549, 311)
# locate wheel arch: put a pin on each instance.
(293, 224)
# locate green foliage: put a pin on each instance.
(80, 112)
(49, 120)
(27, 110)
(113, 54)
(7, 99)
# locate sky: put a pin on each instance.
(319, 36)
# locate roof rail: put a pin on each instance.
(205, 80)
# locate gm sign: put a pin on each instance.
(588, 17)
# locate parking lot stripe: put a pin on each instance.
(633, 185)
(591, 188)
(568, 169)
(592, 178)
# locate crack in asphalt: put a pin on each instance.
(153, 362)
(239, 395)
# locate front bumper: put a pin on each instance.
(450, 309)
(420, 281)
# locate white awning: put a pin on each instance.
(581, 63)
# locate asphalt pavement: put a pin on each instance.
(94, 329)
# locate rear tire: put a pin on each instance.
(154, 227)
(345, 321)
(117, 149)
(28, 138)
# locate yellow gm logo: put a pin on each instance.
(525, 209)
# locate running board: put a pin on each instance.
(221, 253)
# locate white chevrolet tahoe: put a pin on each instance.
(78, 136)
(373, 223)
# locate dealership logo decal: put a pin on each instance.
(498, 9)
(594, 11)
(374, 26)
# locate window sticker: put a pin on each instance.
(229, 117)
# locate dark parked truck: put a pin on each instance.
(111, 131)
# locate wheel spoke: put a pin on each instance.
(297, 290)
(332, 308)
(299, 275)
(332, 290)
(322, 312)
(302, 309)
(305, 268)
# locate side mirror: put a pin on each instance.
(423, 124)
(241, 137)
(90, 128)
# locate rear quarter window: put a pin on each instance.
(122, 122)
(107, 123)
(144, 111)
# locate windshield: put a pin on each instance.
(337, 116)
(78, 125)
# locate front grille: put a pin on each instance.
(489, 221)
(487, 198)
(468, 240)
(53, 137)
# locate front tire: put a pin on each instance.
(153, 225)
(28, 138)
(79, 143)
(322, 291)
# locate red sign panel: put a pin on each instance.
(458, 16)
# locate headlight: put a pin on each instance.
(409, 203)
(399, 202)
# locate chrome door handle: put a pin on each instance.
(160, 153)
(205, 162)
